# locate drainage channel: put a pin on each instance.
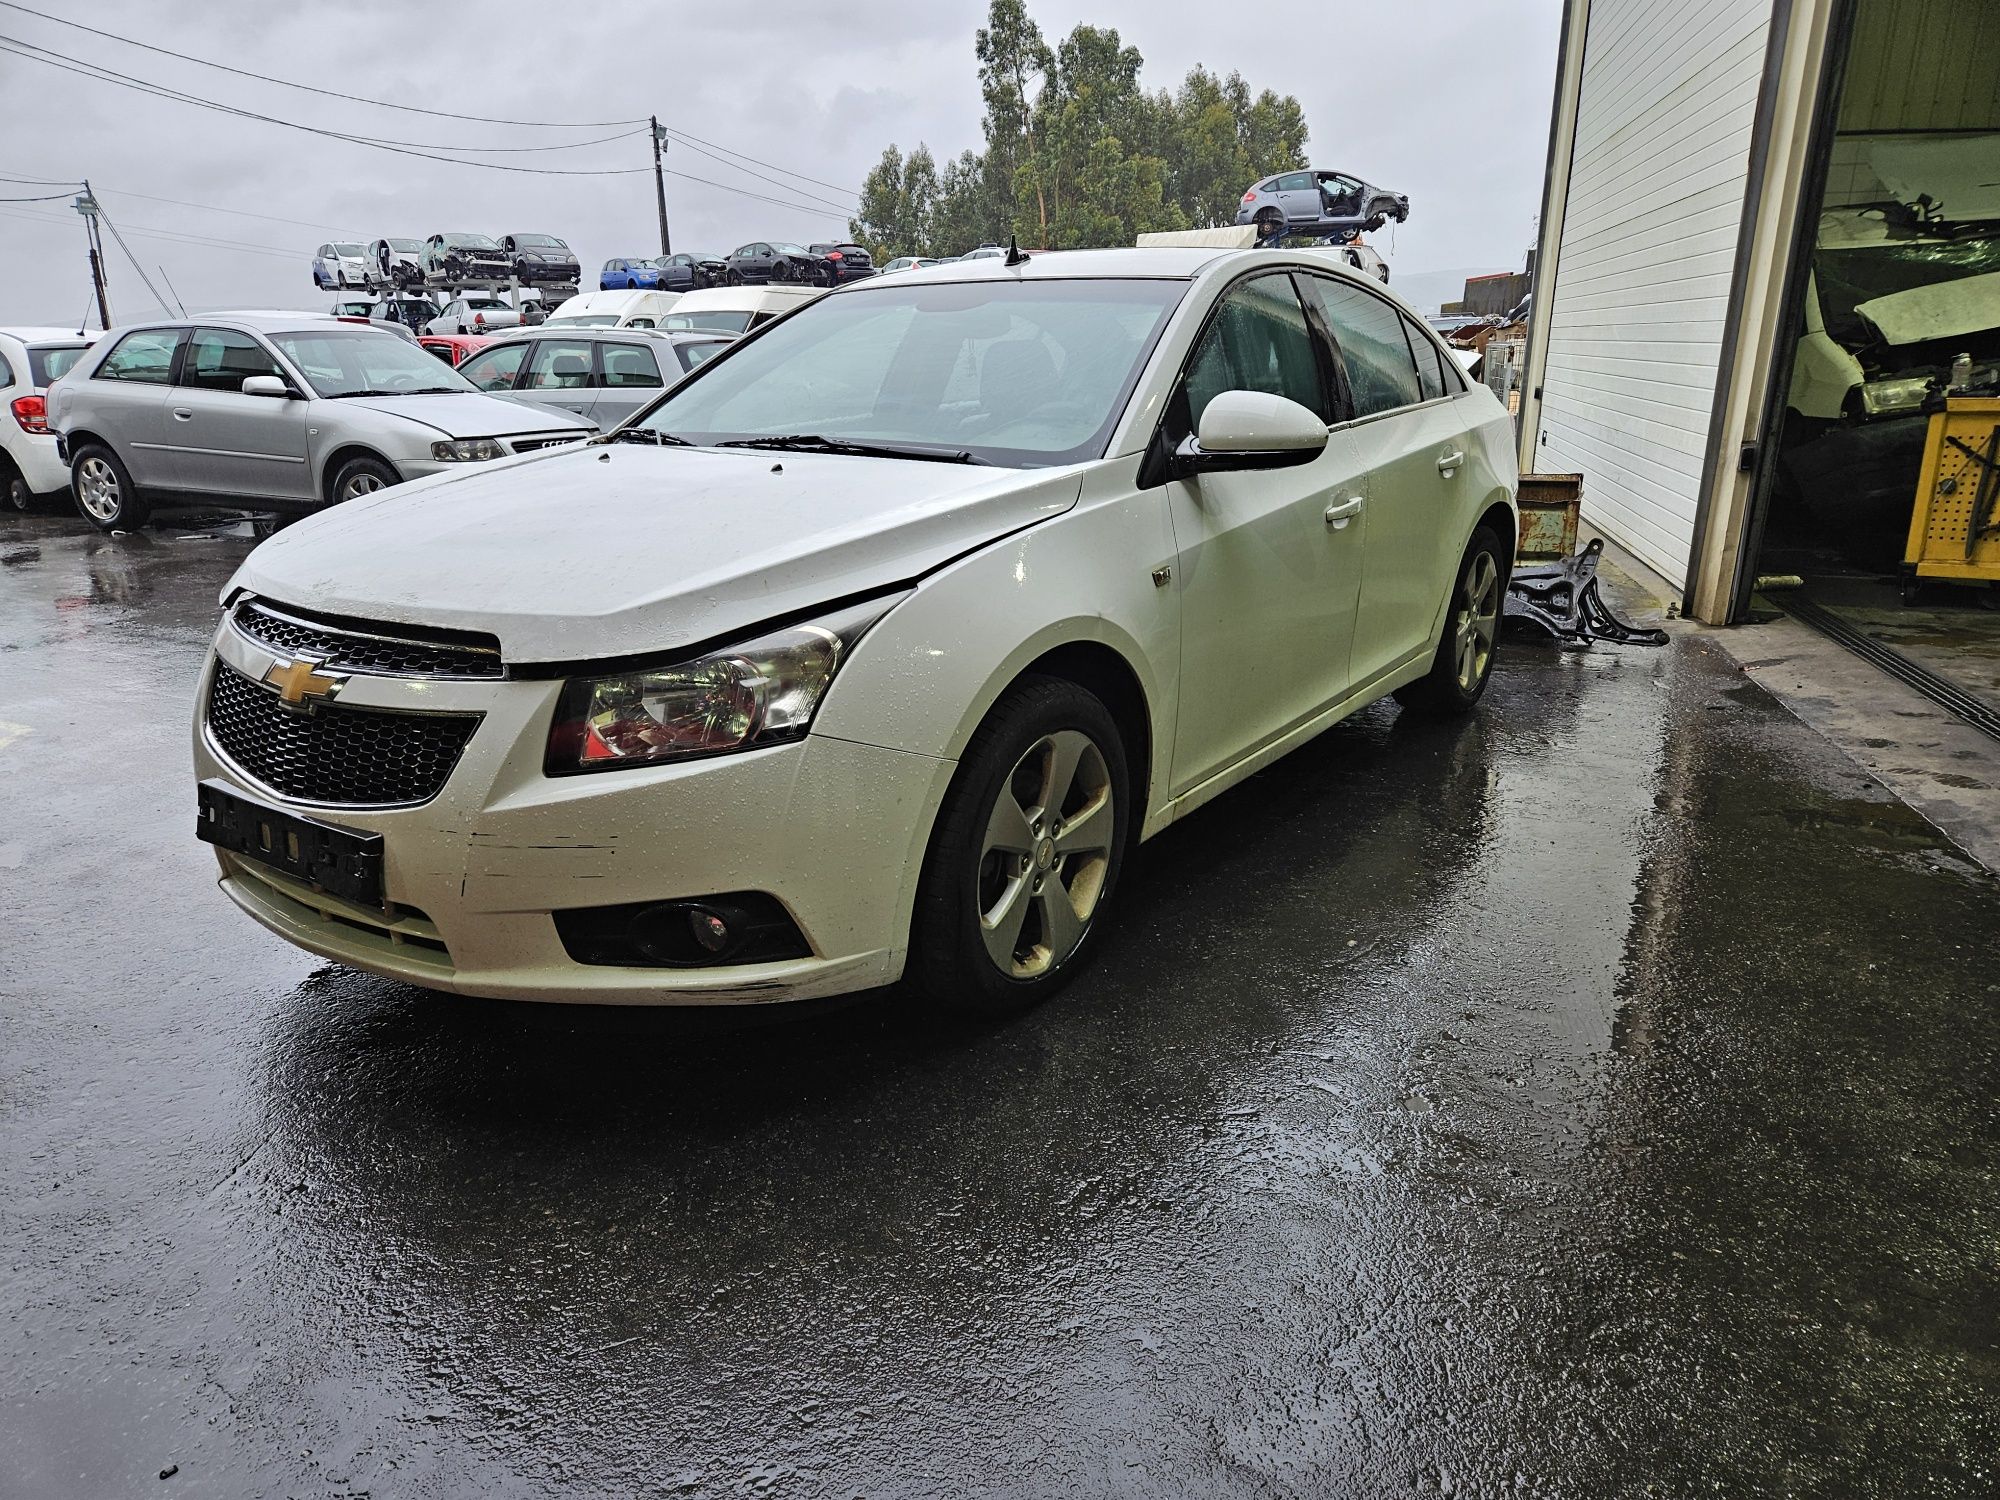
(1945, 693)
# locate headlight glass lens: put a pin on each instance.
(467, 450)
(763, 692)
(1879, 397)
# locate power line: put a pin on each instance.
(139, 85)
(174, 236)
(443, 114)
(130, 256)
(34, 52)
(800, 192)
(686, 138)
(213, 208)
(45, 198)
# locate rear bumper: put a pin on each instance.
(41, 462)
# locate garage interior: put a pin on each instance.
(1893, 311)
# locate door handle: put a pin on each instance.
(1340, 513)
(182, 414)
(1450, 462)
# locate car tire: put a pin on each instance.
(1463, 664)
(359, 477)
(1005, 915)
(104, 492)
(1268, 222)
(20, 499)
(732, 277)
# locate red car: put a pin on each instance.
(453, 348)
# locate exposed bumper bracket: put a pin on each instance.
(1562, 598)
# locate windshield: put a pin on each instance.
(1852, 273)
(1016, 373)
(47, 364)
(363, 362)
(785, 247)
(406, 247)
(540, 242)
(708, 322)
(470, 242)
(349, 250)
(582, 320)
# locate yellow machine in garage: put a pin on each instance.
(1955, 528)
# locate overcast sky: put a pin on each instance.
(1446, 100)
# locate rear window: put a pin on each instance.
(582, 320)
(52, 362)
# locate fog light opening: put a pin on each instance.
(711, 929)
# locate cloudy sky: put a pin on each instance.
(1446, 100)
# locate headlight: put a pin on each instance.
(467, 450)
(762, 692)
(1881, 397)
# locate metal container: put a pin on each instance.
(1550, 506)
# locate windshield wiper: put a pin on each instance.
(642, 435)
(812, 442)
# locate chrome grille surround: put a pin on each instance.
(336, 755)
(376, 650)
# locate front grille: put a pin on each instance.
(348, 757)
(355, 648)
(530, 444)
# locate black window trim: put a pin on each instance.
(1153, 462)
(1376, 416)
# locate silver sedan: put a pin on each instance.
(273, 411)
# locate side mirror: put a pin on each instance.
(266, 385)
(1251, 430)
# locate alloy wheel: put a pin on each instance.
(1477, 620)
(1045, 854)
(363, 483)
(97, 488)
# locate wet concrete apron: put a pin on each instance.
(1594, 1098)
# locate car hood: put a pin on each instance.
(467, 414)
(620, 549)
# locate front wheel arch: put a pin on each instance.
(339, 458)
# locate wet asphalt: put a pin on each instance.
(1594, 1098)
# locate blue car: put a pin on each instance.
(628, 276)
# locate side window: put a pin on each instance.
(6, 373)
(1430, 374)
(629, 365)
(1257, 341)
(494, 369)
(1380, 370)
(638, 322)
(1295, 182)
(558, 365)
(698, 354)
(146, 357)
(221, 359)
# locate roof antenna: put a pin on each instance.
(1015, 255)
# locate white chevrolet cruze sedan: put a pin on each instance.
(868, 651)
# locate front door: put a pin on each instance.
(1410, 438)
(225, 442)
(129, 394)
(1299, 194)
(1269, 560)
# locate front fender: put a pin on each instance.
(925, 677)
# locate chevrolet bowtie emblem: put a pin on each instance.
(300, 682)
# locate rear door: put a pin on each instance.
(1270, 561)
(1300, 196)
(225, 442)
(126, 401)
(1407, 434)
(557, 373)
(628, 377)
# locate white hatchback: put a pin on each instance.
(871, 650)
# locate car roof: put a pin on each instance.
(253, 320)
(51, 335)
(635, 335)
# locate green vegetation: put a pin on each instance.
(1078, 154)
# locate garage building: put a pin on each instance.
(1770, 241)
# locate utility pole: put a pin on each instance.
(86, 204)
(660, 185)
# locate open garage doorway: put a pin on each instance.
(1893, 329)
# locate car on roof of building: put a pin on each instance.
(961, 581)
